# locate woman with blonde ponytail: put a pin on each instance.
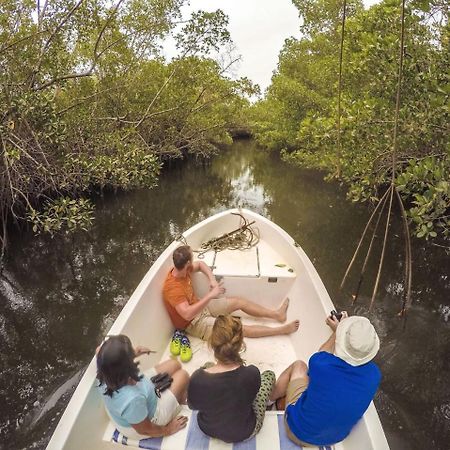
(230, 396)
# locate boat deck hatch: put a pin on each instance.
(259, 261)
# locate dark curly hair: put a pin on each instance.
(115, 363)
(227, 339)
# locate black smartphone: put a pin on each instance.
(336, 314)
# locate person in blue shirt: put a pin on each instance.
(325, 400)
(130, 398)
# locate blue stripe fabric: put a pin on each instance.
(151, 443)
(147, 443)
(245, 445)
(115, 435)
(285, 442)
(196, 439)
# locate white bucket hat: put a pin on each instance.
(357, 341)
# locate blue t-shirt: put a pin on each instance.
(131, 404)
(337, 396)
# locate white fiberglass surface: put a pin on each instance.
(274, 352)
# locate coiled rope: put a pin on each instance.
(242, 238)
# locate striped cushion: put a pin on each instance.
(271, 437)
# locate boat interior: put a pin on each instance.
(260, 275)
(267, 273)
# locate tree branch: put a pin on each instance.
(82, 100)
(97, 43)
(25, 38)
(49, 40)
(96, 56)
(41, 12)
(138, 124)
(134, 122)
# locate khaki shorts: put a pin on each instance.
(201, 326)
(294, 391)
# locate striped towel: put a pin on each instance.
(271, 437)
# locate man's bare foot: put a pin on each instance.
(282, 311)
(290, 327)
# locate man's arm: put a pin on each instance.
(328, 346)
(200, 266)
(148, 428)
(140, 350)
(332, 322)
(188, 312)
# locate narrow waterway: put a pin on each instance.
(58, 297)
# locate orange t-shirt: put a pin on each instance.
(176, 291)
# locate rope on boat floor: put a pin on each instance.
(242, 238)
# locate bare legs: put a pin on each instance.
(255, 331)
(255, 310)
(298, 369)
(180, 378)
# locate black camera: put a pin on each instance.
(336, 314)
(161, 381)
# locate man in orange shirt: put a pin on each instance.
(197, 316)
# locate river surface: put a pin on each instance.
(59, 296)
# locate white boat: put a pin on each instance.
(274, 268)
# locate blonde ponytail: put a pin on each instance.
(227, 340)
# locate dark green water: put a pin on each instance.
(58, 297)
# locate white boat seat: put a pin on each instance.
(261, 261)
(271, 437)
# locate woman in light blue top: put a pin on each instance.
(130, 398)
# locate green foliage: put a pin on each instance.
(322, 16)
(205, 31)
(427, 183)
(88, 102)
(62, 214)
(299, 114)
(119, 166)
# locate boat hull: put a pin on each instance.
(145, 320)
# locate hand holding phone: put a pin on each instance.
(336, 314)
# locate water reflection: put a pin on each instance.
(59, 296)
